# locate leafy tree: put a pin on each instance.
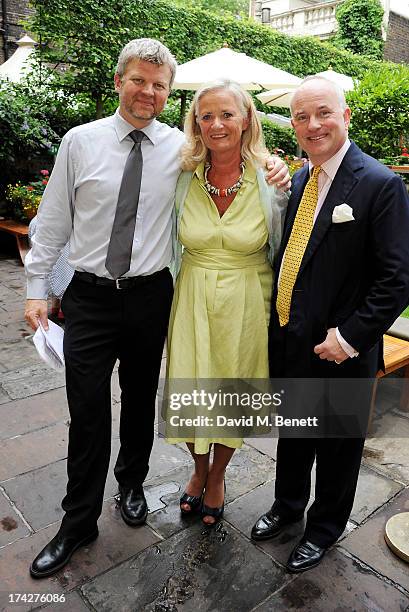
(360, 27)
(32, 120)
(380, 111)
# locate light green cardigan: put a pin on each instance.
(274, 205)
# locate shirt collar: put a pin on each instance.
(331, 166)
(123, 128)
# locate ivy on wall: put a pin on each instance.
(87, 36)
(360, 27)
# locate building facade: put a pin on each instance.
(12, 12)
(317, 18)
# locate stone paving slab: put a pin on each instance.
(31, 380)
(367, 542)
(11, 526)
(390, 455)
(338, 584)
(200, 570)
(17, 354)
(267, 446)
(38, 492)
(244, 512)
(116, 543)
(16, 316)
(15, 305)
(14, 563)
(15, 330)
(372, 492)
(73, 603)
(32, 450)
(29, 414)
(168, 520)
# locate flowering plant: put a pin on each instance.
(402, 159)
(293, 162)
(26, 198)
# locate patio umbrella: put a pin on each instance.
(278, 96)
(225, 63)
(20, 62)
(345, 82)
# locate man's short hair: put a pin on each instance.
(148, 50)
(338, 90)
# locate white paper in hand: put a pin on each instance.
(49, 345)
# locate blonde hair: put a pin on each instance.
(253, 148)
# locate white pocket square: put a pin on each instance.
(342, 213)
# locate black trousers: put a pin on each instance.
(104, 324)
(337, 468)
(338, 460)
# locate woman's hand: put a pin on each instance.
(278, 173)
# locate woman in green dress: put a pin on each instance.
(229, 223)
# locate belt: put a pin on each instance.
(128, 282)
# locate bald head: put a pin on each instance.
(321, 80)
(320, 118)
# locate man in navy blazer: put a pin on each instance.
(352, 283)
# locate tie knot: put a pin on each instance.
(315, 171)
(137, 136)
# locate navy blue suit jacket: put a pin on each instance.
(354, 275)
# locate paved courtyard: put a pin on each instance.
(174, 564)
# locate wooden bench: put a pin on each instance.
(396, 356)
(20, 231)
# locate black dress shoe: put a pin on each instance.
(305, 556)
(270, 525)
(134, 508)
(57, 553)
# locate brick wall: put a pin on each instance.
(10, 31)
(397, 45)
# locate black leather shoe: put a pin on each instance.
(270, 525)
(305, 556)
(57, 553)
(134, 508)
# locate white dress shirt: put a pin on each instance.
(80, 200)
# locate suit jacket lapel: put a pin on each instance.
(342, 185)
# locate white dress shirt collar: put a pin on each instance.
(331, 166)
(123, 128)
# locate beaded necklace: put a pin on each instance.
(223, 193)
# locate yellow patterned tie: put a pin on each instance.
(297, 243)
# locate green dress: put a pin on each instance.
(221, 307)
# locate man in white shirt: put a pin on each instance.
(111, 195)
(343, 279)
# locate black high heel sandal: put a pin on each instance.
(194, 501)
(216, 513)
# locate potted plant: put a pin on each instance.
(25, 199)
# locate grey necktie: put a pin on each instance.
(119, 252)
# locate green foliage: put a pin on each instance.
(32, 120)
(233, 7)
(360, 27)
(277, 137)
(380, 111)
(86, 37)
